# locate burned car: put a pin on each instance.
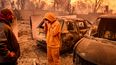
(98, 48)
(72, 30)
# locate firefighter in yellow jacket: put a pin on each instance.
(53, 30)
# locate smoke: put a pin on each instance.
(48, 4)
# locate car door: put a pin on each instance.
(69, 35)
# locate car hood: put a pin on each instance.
(97, 50)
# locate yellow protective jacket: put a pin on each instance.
(53, 29)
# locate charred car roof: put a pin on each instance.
(108, 16)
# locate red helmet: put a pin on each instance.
(7, 13)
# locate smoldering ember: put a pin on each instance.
(87, 31)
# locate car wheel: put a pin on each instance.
(77, 60)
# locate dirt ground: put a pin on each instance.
(30, 53)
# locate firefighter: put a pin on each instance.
(53, 29)
(9, 47)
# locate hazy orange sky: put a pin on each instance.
(111, 3)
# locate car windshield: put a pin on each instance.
(41, 25)
(68, 26)
(81, 25)
(106, 29)
(88, 23)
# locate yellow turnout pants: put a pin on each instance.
(53, 56)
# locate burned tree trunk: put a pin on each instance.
(97, 5)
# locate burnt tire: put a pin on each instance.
(77, 60)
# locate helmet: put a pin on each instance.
(7, 13)
(50, 16)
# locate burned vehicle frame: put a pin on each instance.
(72, 30)
(98, 48)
